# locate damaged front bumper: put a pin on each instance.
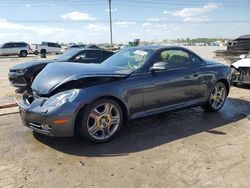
(58, 122)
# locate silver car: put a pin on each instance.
(21, 49)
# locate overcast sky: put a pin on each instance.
(88, 20)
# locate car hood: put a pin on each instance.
(58, 73)
(242, 63)
(27, 65)
(213, 62)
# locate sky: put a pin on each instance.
(87, 21)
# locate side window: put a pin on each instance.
(106, 54)
(8, 45)
(175, 58)
(80, 56)
(18, 45)
(195, 60)
(23, 45)
(51, 44)
(93, 54)
(15, 45)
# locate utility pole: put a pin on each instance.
(110, 23)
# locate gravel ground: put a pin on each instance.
(188, 148)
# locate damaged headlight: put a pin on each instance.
(61, 98)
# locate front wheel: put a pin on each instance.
(217, 97)
(101, 121)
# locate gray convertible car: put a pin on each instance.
(95, 100)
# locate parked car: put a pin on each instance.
(48, 48)
(76, 46)
(242, 43)
(22, 75)
(95, 100)
(72, 47)
(241, 73)
(21, 49)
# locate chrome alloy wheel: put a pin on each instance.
(218, 96)
(103, 121)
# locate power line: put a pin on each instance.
(131, 20)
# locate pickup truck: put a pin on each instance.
(48, 48)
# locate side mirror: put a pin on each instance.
(242, 56)
(159, 66)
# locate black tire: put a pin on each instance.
(36, 52)
(43, 53)
(84, 119)
(23, 53)
(211, 105)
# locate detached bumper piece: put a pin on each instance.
(242, 76)
(41, 128)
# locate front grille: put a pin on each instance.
(17, 80)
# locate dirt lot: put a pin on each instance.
(188, 148)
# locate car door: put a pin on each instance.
(177, 86)
(57, 48)
(16, 48)
(51, 48)
(7, 49)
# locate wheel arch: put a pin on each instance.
(121, 103)
(224, 81)
(43, 51)
(23, 50)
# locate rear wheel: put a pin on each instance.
(217, 97)
(101, 121)
(23, 53)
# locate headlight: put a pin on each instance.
(61, 98)
(21, 70)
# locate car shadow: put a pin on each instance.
(243, 86)
(150, 132)
(16, 57)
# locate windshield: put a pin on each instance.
(131, 59)
(67, 55)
